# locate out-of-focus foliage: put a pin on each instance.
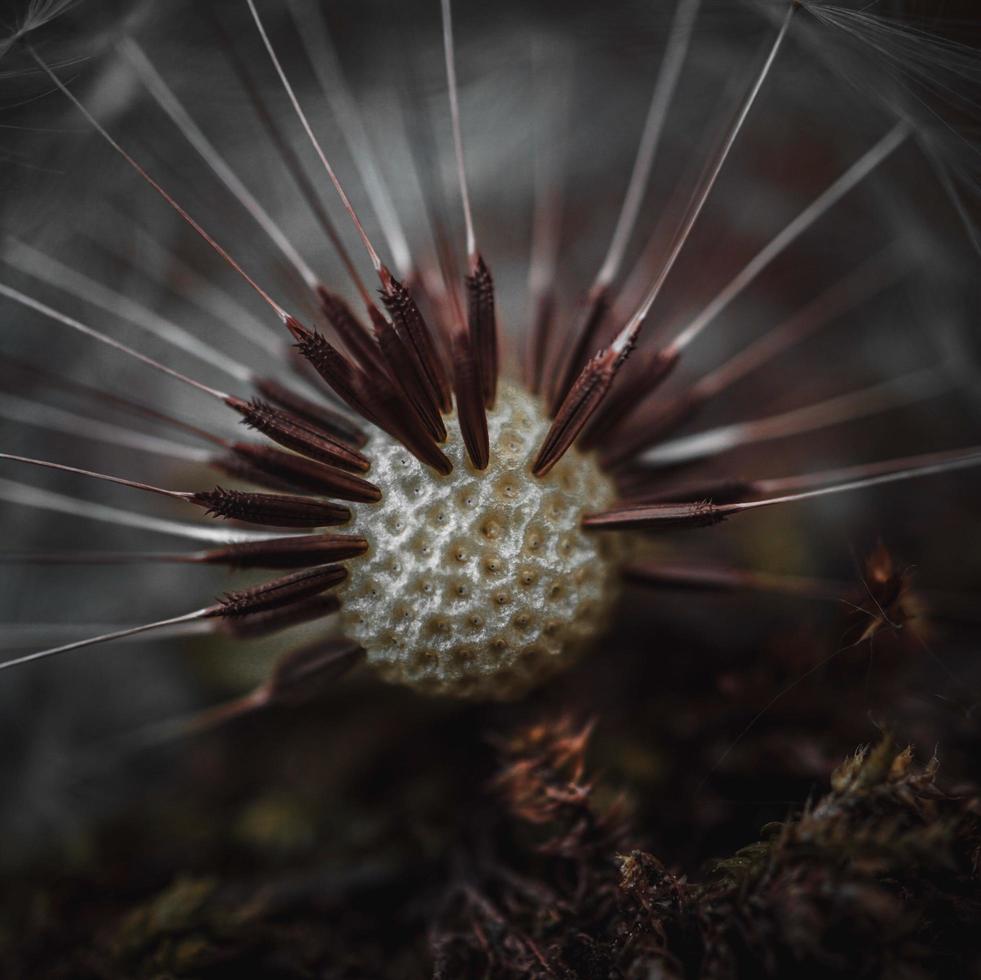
(878, 877)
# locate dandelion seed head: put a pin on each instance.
(480, 584)
(819, 294)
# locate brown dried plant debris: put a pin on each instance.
(878, 878)
(545, 875)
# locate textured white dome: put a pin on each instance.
(479, 584)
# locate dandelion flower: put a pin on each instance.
(446, 474)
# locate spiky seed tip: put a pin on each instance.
(480, 583)
(273, 509)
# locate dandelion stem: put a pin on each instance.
(545, 231)
(18, 636)
(99, 557)
(574, 408)
(904, 390)
(943, 463)
(289, 157)
(326, 66)
(597, 301)
(190, 617)
(185, 216)
(667, 78)
(106, 478)
(38, 414)
(187, 282)
(848, 474)
(633, 325)
(100, 396)
(867, 280)
(164, 96)
(653, 422)
(703, 513)
(315, 143)
(54, 273)
(102, 338)
(451, 84)
(846, 182)
(26, 495)
(722, 578)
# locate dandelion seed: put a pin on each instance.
(484, 523)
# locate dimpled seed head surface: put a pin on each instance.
(479, 584)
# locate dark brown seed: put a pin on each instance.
(281, 592)
(295, 434)
(408, 378)
(308, 475)
(482, 321)
(584, 334)
(720, 491)
(421, 445)
(470, 405)
(721, 578)
(319, 416)
(352, 332)
(656, 517)
(302, 674)
(582, 401)
(415, 333)
(298, 551)
(342, 376)
(373, 396)
(690, 578)
(237, 468)
(400, 420)
(273, 509)
(269, 621)
(426, 295)
(651, 369)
